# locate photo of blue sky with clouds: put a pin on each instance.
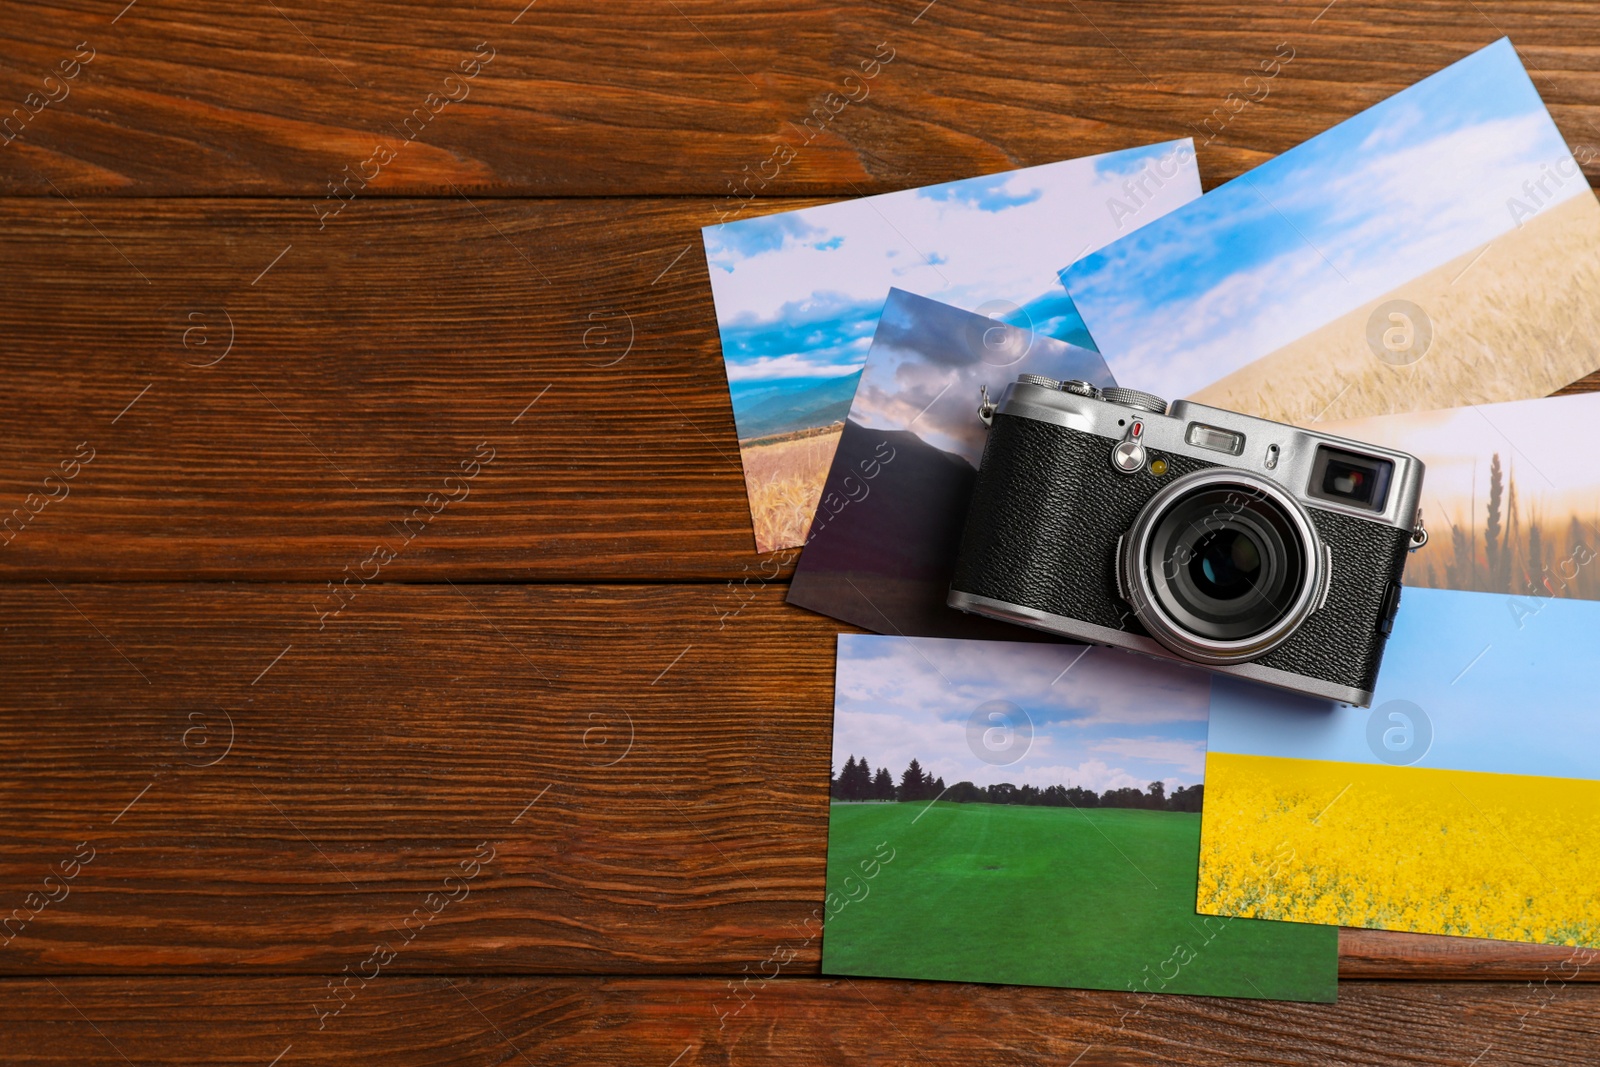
(928, 361)
(1506, 683)
(1421, 178)
(798, 293)
(1101, 718)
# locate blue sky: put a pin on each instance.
(1506, 682)
(1377, 200)
(1055, 315)
(798, 293)
(1100, 718)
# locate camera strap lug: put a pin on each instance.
(1419, 534)
(986, 407)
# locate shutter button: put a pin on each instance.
(1128, 455)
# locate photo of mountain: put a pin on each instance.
(798, 293)
(884, 562)
(884, 542)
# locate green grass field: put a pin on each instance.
(1098, 898)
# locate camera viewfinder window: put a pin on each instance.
(1348, 478)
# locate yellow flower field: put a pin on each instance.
(1504, 856)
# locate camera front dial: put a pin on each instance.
(1222, 566)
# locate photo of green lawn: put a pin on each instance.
(1043, 862)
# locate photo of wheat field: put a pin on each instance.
(1401, 848)
(1510, 497)
(1513, 318)
(1440, 248)
(1506, 546)
(784, 475)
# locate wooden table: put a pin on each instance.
(386, 602)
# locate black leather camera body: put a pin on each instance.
(1251, 547)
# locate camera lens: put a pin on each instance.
(1221, 566)
(1226, 564)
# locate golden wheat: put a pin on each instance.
(1515, 548)
(784, 477)
(1519, 322)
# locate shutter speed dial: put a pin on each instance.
(1133, 398)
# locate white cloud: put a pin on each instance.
(888, 239)
(1098, 718)
(798, 366)
(1187, 754)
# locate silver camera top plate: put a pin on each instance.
(1274, 450)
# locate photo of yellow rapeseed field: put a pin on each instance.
(1465, 800)
(1429, 850)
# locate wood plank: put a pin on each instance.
(679, 1022)
(1388, 954)
(646, 765)
(653, 789)
(266, 400)
(635, 98)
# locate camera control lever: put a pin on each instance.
(1128, 454)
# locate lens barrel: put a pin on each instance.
(1222, 566)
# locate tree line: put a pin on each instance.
(858, 781)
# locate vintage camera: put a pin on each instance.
(1255, 548)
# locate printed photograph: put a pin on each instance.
(1511, 498)
(798, 293)
(888, 527)
(1030, 814)
(1465, 801)
(1440, 249)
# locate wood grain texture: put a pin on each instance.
(308, 389)
(648, 769)
(1388, 954)
(676, 775)
(645, 98)
(678, 1022)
